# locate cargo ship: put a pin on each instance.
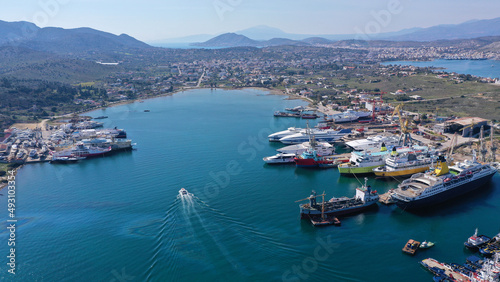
(364, 199)
(442, 183)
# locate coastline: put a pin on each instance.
(271, 91)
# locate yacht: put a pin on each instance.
(280, 159)
(328, 135)
(323, 148)
(275, 137)
(373, 142)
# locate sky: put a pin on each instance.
(155, 20)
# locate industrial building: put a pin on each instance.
(467, 126)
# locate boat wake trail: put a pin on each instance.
(194, 235)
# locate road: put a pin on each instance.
(201, 78)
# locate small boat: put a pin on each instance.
(146, 111)
(280, 159)
(324, 219)
(101, 117)
(184, 193)
(426, 245)
(411, 247)
(476, 241)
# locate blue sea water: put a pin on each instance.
(119, 218)
(482, 68)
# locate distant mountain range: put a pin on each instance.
(238, 40)
(56, 54)
(261, 34)
(63, 41)
(467, 30)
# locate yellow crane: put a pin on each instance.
(405, 138)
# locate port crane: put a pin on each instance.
(405, 138)
(493, 147)
(453, 143)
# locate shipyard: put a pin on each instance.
(64, 140)
(230, 141)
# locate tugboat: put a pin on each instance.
(364, 199)
(311, 158)
(476, 241)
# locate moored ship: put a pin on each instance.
(405, 164)
(81, 150)
(311, 158)
(363, 199)
(442, 184)
(323, 148)
(364, 162)
(373, 142)
(275, 137)
(476, 241)
(328, 135)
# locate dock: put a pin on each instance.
(386, 198)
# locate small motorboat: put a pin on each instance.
(146, 111)
(411, 247)
(280, 159)
(183, 192)
(324, 219)
(476, 241)
(426, 245)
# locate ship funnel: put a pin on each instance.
(383, 148)
(441, 167)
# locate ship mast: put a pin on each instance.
(482, 147)
(493, 148)
(323, 207)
